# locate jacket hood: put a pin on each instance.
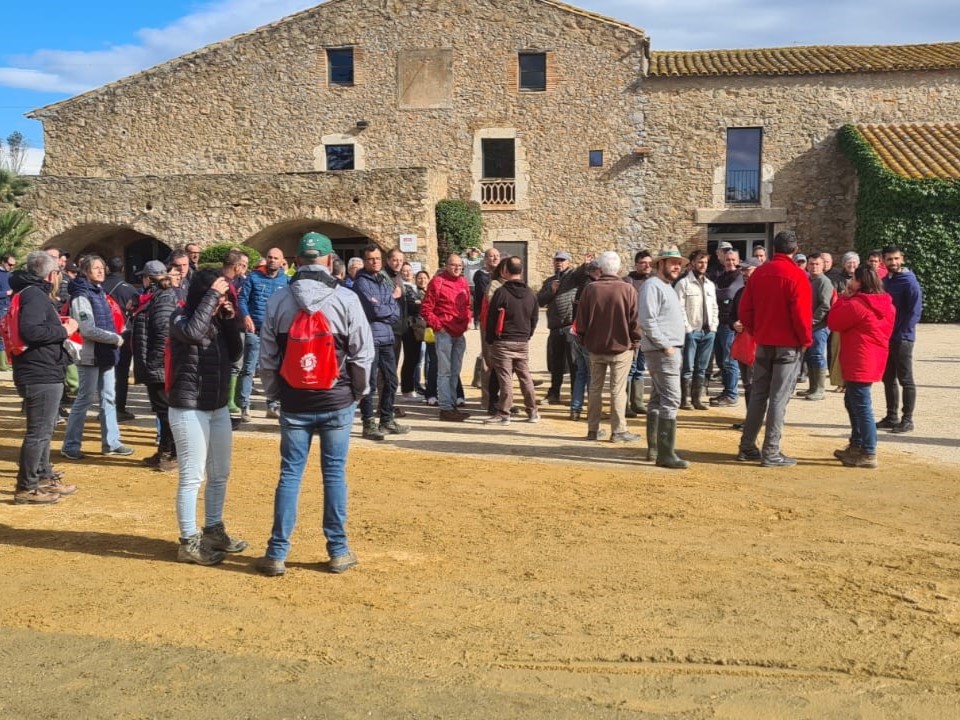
(20, 279)
(311, 286)
(904, 277)
(879, 304)
(517, 288)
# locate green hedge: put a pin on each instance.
(920, 216)
(459, 226)
(214, 254)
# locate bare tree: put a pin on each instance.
(13, 157)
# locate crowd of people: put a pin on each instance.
(197, 338)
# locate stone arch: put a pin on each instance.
(108, 240)
(286, 234)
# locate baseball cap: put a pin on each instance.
(562, 255)
(749, 262)
(724, 246)
(799, 258)
(154, 268)
(314, 245)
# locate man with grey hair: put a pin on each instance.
(663, 324)
(38, 371)
(606, 322)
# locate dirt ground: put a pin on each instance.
(516, 572)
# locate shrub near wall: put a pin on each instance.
(920, 216)
(459, 226)
(214, 254)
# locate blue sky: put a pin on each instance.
(54, 49)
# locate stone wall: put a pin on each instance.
(805, 174)
(98, 214)
(260, 104)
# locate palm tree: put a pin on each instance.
(12, 187)
(15, 226)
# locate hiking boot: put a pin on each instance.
(394, 428)
(35, 497)
(119, 450)
(860, 460)
(888, 423)
(497, 420)
(153, 460)
(624, 437)
(749, 455)
(125, 416)
(778, 460)
(194, 550)
(371, 430)
(245, 415)
(850, 451)
(723, 401)
(596, 434)
(72, 454)
(53, 485)
(452, 416)
(342, 563)
(462, 413)
(215, 536)
(904, 426)
(168, 462)
(551, 399)
(575, 415)
(270, 567)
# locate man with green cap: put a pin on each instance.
(326, 413)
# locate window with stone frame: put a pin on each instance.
(744, 150)
(340, 157)
(340, 67)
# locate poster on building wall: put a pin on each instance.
(408, 243)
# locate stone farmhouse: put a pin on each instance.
(356, 116)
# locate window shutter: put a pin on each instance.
(551, 66)
(513, 74)
(357, 65)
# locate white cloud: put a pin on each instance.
(72, 72)
(32, 161)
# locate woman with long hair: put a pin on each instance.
(205, 339)
(863, 316)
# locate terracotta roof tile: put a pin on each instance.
(917, 150)
(810, 60)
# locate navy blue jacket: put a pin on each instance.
(376, 296)
(908, 300)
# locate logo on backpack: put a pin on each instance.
(310, 358)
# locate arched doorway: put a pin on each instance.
(347, 241)
(107, 241)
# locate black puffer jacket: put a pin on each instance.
(151, 326)
(202, 347)
(45, 361)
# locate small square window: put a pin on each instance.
(340, 66)
(339, 157)
(533, 72)
(596, 158)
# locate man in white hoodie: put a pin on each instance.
(305, 412)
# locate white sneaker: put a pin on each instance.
(431, 401)
(461, 402)
(412, 395)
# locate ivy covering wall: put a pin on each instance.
(922, 217)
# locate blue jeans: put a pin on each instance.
(296, 435)
(204, 441)
(251, 358)
(449, 361)
(729, 368)
(94, 381)
(697, 347)
(863, 430)
(638, 367)
(385, 367)
(581, 371)
(817, 353)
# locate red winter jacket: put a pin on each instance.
(447, 304)
(865, 324)
(777, 304)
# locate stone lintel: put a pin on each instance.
(707, 216)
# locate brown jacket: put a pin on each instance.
(607, 316)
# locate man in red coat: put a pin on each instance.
(775, 309)
(446, 309)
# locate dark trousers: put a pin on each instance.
(775, 372)
(385, 370)
(900, 370)
(161, 407)
(122, 374)
(410, 370)
(40, 404)
(558, 358)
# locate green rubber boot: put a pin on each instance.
(653, 418)
(666, 441)
(231, 399)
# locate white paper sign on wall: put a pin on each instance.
(408, 243)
